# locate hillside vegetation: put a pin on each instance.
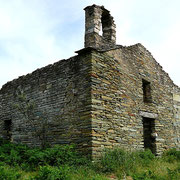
(65, 163)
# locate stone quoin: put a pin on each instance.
(107, 95)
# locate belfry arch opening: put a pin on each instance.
(106, 23)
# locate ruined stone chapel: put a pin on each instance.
(107, 95)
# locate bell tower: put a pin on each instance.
(97, 18)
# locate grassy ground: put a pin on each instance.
(64, 163)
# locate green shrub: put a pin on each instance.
(171, 155)
(34, 158)
(148, 175)
(9, 154)
(53, 173)
(12, 154)
(31, 158)
(174, 174)
(7, 173)
(146, 155)
(143, 157)
(3, 141)
(55, 162)
(64, 154)
(57, 155)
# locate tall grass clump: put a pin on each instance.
(171, 155)
(143, 158)
(113, 159)
(124, 162)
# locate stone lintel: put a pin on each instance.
(148, 114)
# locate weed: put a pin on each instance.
(112, 159)
(174, 174)
(64, 162)
(9, 173)
(171, 155)
(52, 173)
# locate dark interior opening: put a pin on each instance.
(7, 129)
(148, 130)
(146, 91)
(106, 21)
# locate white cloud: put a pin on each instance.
(168, 52)
(26, 39)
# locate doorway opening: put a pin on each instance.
(148, 131)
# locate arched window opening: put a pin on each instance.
(106, 21)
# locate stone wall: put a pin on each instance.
(61, 94)
(96, 100)
(118, 108)
(176, 121)
(106, 96)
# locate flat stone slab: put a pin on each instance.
(148, 114)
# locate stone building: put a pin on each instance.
(107, 95)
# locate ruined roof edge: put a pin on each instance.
(11, 82)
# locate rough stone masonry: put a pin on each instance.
(106, 96)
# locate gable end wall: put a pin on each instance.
(117, 100)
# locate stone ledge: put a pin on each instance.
(148, 114)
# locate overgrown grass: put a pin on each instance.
(65, 163)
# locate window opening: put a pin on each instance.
(7, 129)
(146, 91)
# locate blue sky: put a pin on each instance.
(36, 33)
